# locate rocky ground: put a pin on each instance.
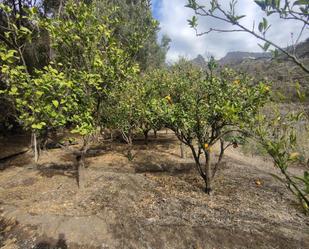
(156, 201)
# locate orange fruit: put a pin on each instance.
(258, 182)
(169, 99)
(207, 147)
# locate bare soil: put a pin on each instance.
(156, 201)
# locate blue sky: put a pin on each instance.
(173, 21)
(156, 4)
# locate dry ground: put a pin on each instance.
(156, 201)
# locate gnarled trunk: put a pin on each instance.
(155, 133)
(222, 149)
(208, 174)
(146, 136)
(129, 140)
(80, 164)
(34, 142)
(182, 153)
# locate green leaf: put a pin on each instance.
(265, 47)
(193, 22)
(25, 30)
(236, 18)
(262, 4)
(265, 23)
(13, 90)
(39, 93)
(275, 4)
(55, 103)
(261, 27)
(38, 126)
(191, 4)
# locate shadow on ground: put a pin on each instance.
(60, 244)
(52, 169)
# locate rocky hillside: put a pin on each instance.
(199, 61)
(281, 73)
(233, 58)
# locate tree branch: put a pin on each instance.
(201, 11)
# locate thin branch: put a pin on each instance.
(245, 29)
(218, 30)
(300, 33)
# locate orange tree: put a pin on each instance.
(150, 116)
(85, 60)
(278, 133)
(134, 106)
(202, 108)
(123, 109)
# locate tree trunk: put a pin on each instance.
(35, 148)
(182, 154)
(60, 8)
(299, 192)
(222, 149)
(146, 137)
(80, 160)
(128, 138)
(130, 145)
(20, 8)
(130, 155)
(155, 133)
(208, 178)
(80, 163)
(101, 131)
(81, 167)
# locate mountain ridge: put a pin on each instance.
(236, 57)
(233, 58)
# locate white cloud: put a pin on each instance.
(173, 18)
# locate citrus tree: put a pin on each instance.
(151, 115)
(279, 136)
(135, 106)
(85, 61)
(276, 133)
(123, 110)
(202, 108)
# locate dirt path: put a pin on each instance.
(155, 202)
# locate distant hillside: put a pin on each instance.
(302, 49)
(281, 73)
(199, 61)
(233, 58)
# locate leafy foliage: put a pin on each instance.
(278, 136)
(86, 61)
(278, 140)
(202, 108)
